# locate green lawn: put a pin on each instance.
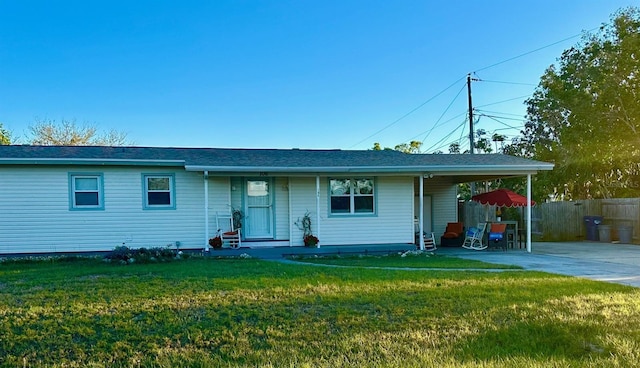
(245, 312)
(410, 260)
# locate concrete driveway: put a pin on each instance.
(619, 263)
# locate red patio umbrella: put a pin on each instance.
(502, 198)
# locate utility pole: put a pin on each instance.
(471, 140)
(471, 144)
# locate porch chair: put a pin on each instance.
(453, 235)
(231, 237)
(429, 241)
(428, 238)
(498, 236)
(473, 239)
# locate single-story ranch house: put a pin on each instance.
(80, 199)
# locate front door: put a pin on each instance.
(259, 209)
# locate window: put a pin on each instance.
(159, 191)
(351, 196)
(86, 191)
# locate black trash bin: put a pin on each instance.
(591, 225)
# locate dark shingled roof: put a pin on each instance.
(227, 159)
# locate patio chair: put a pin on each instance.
(474, 237)
(428, 238)
(453, 235)
(429, 241)
(231, 237)
(498, 236)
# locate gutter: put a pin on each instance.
(440, 170)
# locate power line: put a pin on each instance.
(409, 113)
(446, 137)
(503, 123)
(490, 81)
(435, 125)
(498, 112)
(503, 101)
(444, 122)
(505, 82)
(532, 51)
(501, 117)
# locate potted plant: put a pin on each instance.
(216, 241)
(310, 240)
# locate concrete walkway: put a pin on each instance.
(619, 263)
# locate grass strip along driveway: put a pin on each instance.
(415, 259)
(247, 312)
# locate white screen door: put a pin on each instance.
(259, 214)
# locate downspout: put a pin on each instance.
(318, 207)
(529, 213)
(206, 210)
(420, 214)
(290, 212)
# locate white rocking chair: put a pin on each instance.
(429, 241)
(231, 237)
(474, 238)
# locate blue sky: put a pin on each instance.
(281, 74)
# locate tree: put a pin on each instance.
(5, 135)
(498, 138)
(584, 115)
(482, 143)
(68, 133)
(411, 147)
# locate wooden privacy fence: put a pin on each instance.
(564, 221)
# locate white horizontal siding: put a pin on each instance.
(219, 203)
(35, 215)
(303, 200)
(281, 206)
(444, 203)
(392, 223)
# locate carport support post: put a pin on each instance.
(206, 210)
(529, 213)
(420, 219)
(318, 207)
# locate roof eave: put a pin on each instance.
(438, 170)
(89, 162)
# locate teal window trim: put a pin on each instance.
(99, 177)
(352, 196)
(171, 191)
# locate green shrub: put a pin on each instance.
(125, 255)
